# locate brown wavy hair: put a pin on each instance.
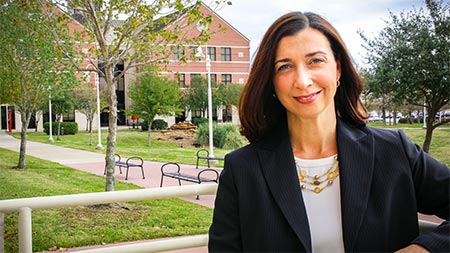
(260, 112)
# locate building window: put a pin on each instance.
(212, 53)
(178, 52)
(194, 75)
(69, 117)
(226, 53)
(226, 78)
(181, 79)
(213, 78)
(193, 50)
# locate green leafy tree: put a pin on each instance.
(31, 64)
(62, 103)
(141, 39)
(86, 103)
(409, 59)
(153, 95)
(85, 96)
(196, 96)
(230, 93)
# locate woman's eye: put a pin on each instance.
(283, 67)
(317, 60)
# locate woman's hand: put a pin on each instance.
(413, 248)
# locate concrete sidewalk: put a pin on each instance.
(95, 163)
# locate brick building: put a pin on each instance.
(228, 49)
(229, 53)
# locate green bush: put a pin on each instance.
(66, 128)
(144, 125)
(198, 121)
(224, 136)
(159, 124)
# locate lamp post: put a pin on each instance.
(202, 27)
(50, 129)
(99, 131)
(210, 119)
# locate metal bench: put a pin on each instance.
(173, 170)
(134, 161)
(203, 154)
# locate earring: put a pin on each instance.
(274, 96)
(338, 83)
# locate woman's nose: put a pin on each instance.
(302, 78)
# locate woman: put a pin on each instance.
(315, 178)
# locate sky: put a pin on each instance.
(253, 17)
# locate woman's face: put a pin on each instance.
(306, 74)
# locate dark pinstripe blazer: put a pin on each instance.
(385, 180)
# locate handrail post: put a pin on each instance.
(25, 231)
(2, 232)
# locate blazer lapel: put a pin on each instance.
(279, 169)
(356, 164)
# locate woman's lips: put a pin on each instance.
(307, 99)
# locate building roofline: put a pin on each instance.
(226, 22)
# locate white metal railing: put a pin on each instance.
(25, 206)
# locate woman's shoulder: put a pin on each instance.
(392, 137)
(244, 151)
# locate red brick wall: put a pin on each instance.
(224, 36)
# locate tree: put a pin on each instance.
(230, 93)
(196, 96)
(85, 96)
(86, 103)
(140, 40)
(31, 65)
(153, 95)
(409, 58)
(62, 103)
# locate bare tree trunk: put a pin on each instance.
(23, 139)
(37, 118)
(149, 139)
(90, 132)
(429, 133)
(112, 129)
(384, 115)
(59, 129)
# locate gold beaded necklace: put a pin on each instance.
(317, 180)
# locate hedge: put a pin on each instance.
(66, 128)
(157, 124)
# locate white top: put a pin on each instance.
(323, 209)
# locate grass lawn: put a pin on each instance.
(132, 142)
(82, 226)
(129, 142)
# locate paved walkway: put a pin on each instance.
(95, 163)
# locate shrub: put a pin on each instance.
(159, 124)
(69, 128)
(224, 136)
(144, 125)
(198, 121)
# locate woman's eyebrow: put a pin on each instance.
(315, 52)
(282, 60)
(307, 55)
